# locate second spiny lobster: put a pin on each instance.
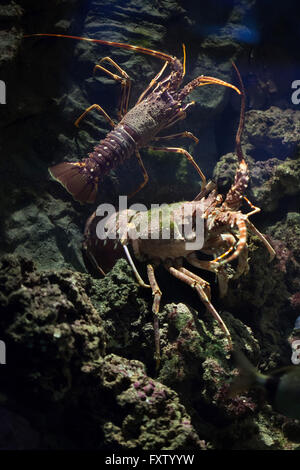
(158, 108)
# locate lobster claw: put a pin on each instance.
(101, 253)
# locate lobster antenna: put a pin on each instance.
(184, 58)
(239, 133)
(143, 50)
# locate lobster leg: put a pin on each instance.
(178, 117)
(136, 273)
(222, 276)
(155, 309)
(213, 266)
(220, 272)
(223, 255)
(210, 186)
(145, 174)
(181, 114)
(256, 232)
(126, 86)
(180, 134)
(243, 266)
(86, 245)
(101, 110)
(93, 260)
(202, 264)
(152, 83)
(255, 209)
(205, 285)
(187, 155)
(124, 80)
(200, 286)
(242, 222)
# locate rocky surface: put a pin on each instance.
(61, 352)
(272, 147)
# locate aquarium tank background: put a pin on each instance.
(77, 349)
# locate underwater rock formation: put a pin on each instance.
(56, 342)
(148, 415)
(273, 132)
(60, 358)
(272, 149)
(46, 318)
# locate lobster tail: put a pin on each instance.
(77, 180)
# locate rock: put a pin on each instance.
(273, 132)
(46, 318)
(271, 180)
(150, 415)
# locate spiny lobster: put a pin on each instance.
(225, 237)
(159, 107)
